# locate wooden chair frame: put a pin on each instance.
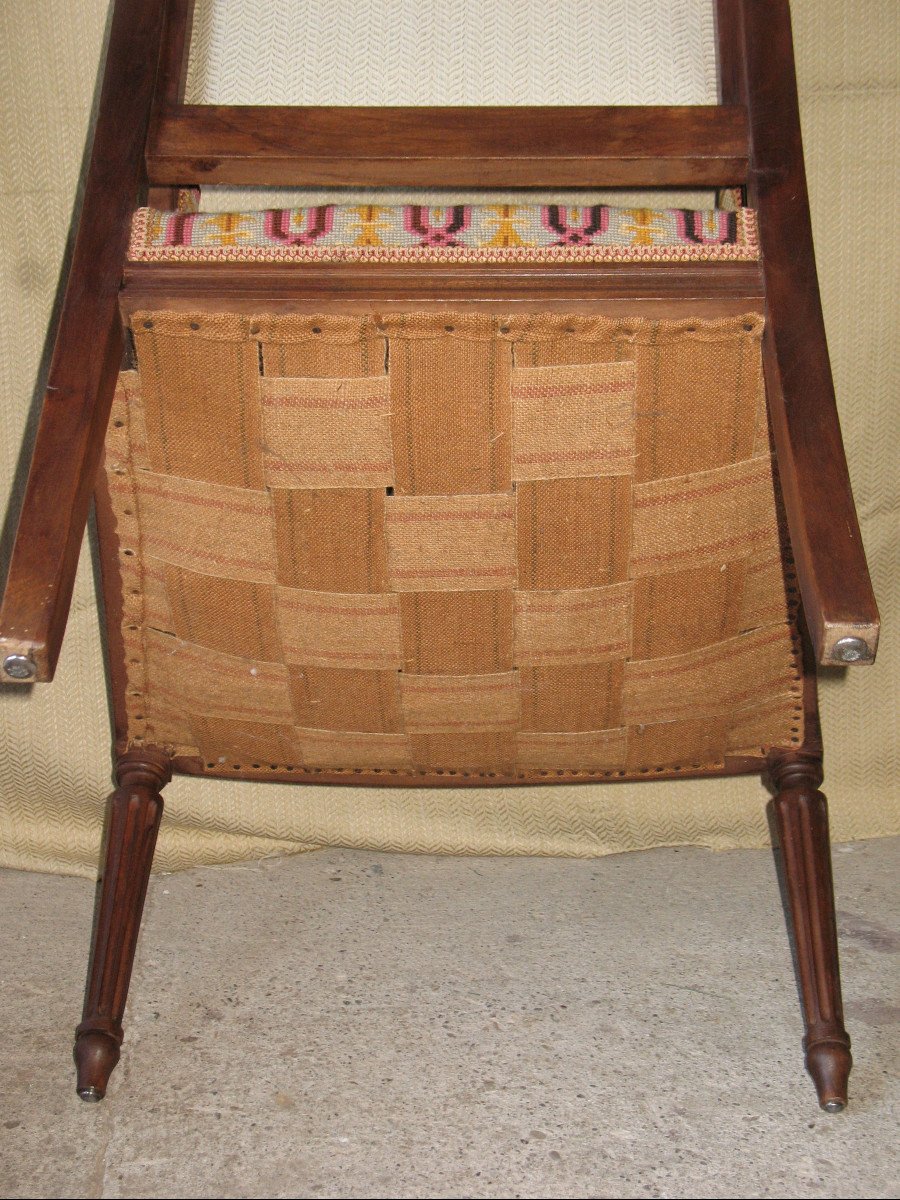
(148, 143)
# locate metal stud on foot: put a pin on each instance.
(18, 666)
(850, 649)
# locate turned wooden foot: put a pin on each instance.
(801, 815)
(133, 817)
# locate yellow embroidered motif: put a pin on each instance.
(370, 224)
(233, 228)
(644, 221)
(506, 233)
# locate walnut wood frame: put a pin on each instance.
(148, 142)
(146, 137)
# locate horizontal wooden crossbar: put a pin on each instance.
(701, 146)
(710, 288)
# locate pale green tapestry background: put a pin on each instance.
(54, 741)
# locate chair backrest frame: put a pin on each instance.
(147, 141)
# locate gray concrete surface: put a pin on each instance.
(363, 1025)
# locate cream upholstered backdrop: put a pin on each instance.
(54, 741)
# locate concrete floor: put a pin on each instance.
(364, 1025)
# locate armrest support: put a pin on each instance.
(85, 360)
(757, 69)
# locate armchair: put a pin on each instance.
(476, 497)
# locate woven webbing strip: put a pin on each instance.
(434, 543)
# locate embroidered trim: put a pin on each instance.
(458, 233)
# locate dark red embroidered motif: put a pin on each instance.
(691, 227)
(594, 220)
(277, 224)
(417, 220)
(179, 227)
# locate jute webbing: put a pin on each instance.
(452, 542)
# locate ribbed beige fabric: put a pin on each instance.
(455, 52)
(54, 741)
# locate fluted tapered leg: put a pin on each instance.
(801, 814)
(133, 817)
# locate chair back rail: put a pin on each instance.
(487, 147)
(757, 70)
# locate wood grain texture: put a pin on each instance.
(87, 354)
(134, 813)
(757, 65)
(679, 146)
(173, 68)
(173, 61)
(801, 816)
(112, 588)
(715, 289)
